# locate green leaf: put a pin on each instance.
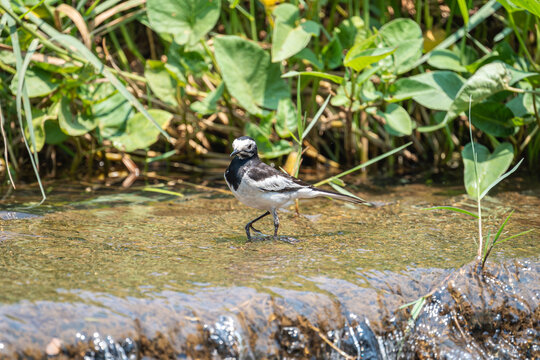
(209, 104)
(308, 55)
(286, 123)
(533, 6)
(451, 208)
(288, 41)
(38, 82)
(350, 31)
(406, 36)
(249, 74)
(333, 53)
(522, 105)
(112, 114)
(335, 78)
(160, 81)
(139, 133)
(362, 59)
(488, 80)
(187, 20)
(53, 134)
(286, 13)
(500, 178)
(261, 134)
(39, 133)
(398, 121)
(74, 124)
(447, 60)
(494, 118)
(490, 166)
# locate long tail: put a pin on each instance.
(320, 192)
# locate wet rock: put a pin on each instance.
(15, 215)
(292, 340)
(356, 339)
(223, 339)
(492, 314)
(107, 348)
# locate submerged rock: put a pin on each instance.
(490, 314)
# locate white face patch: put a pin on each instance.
(242, 144)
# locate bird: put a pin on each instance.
(261, 186)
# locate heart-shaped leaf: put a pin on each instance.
(288, 41)
(493, 118)
(74, 124)
(406, 36)
(249, 74)
(187, 20)
(139, 133)
(38, 82)
(490, 166)
(398, 120)
(488, 80)
(161, 82)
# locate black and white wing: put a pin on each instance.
(269, 179)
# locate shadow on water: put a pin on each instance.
(142, 274)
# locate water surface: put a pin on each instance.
(178, 272)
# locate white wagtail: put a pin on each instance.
(263, 187)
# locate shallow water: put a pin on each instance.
(176, 276)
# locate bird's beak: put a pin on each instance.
(234, 153)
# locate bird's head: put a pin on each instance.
(244, 147)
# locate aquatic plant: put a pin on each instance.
(86, 84)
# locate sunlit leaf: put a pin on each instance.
(75, 124)
(398, 120)
(209, 104)
(286, 118)
(249, 74)
(187, 20)
(490, 166)
(160, 81)
(38, 82)
(406, 36)
(335, 78)
(367, 57)
(139, 133)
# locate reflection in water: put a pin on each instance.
(177, 274)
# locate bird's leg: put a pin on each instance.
(276, 223)
(250, 224)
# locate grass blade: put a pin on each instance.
(343, 191)
(367, 163)
(163, 191)
(451, 208)
(21, 92)
(501, 178)
(501, 228)
(514, 236)
(18, 63)
(335, 78)
(315, 118)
